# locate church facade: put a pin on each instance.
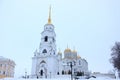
(47, 62)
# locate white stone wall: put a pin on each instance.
(46, 54)
(51, 63)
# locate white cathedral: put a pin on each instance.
(47, 62)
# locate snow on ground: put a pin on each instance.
(63, 78)
(99, 78)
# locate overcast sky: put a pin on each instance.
(91, 26)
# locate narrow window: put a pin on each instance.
(46, 38)
(3, 72)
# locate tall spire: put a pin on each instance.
(49, 19)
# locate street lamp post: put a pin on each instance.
(71, 70)
(71, 66)
(25, 75)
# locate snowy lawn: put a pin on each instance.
(63, 78)
(99, 78)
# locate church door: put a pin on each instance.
(41, 73)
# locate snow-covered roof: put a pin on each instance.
(3, 59)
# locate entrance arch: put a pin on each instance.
(42, 71)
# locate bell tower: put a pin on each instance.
(45, 61)
(48, 41)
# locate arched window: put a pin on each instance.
(46, 38)
(4, 72)
(42, 62)
(44, 51)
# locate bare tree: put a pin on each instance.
(115, 57)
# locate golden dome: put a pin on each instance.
(78, 56)
(74, 51)
(67, 50)
(59, 52)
